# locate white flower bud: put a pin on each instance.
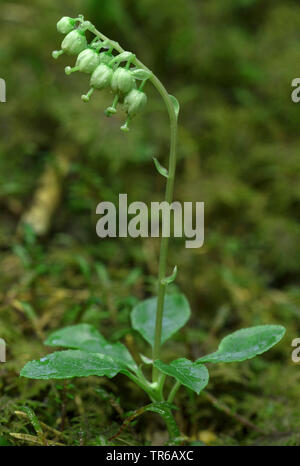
(101, 77)
(88, 60)
(134, 102)
(74, 43)
(122, 81)
(65, 25)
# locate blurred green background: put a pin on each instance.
(230, 64)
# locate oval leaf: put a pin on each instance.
(176, 313)
(70, 363)
(85, 337)
(190, 374)
(246, 344)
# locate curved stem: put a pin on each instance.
(173, 392)
(168, 195)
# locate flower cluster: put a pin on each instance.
(107, 70)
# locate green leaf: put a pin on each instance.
(71, 363)
(162, 170)
(176, 313)
(141, 74)
(82, 336)
(246, 344)
(175, 104)
(33, 419)
(87, 338)
(190, 374)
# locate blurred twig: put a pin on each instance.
(225, 409)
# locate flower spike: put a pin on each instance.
(117, 71)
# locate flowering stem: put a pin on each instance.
(168, 196)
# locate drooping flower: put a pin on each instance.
(65, 25)
(122, 81)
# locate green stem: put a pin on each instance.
(165, 241)
(161, 384)
(168, 195)
(173, 392)
(143, 84)
(152, 392)
(173, 430)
